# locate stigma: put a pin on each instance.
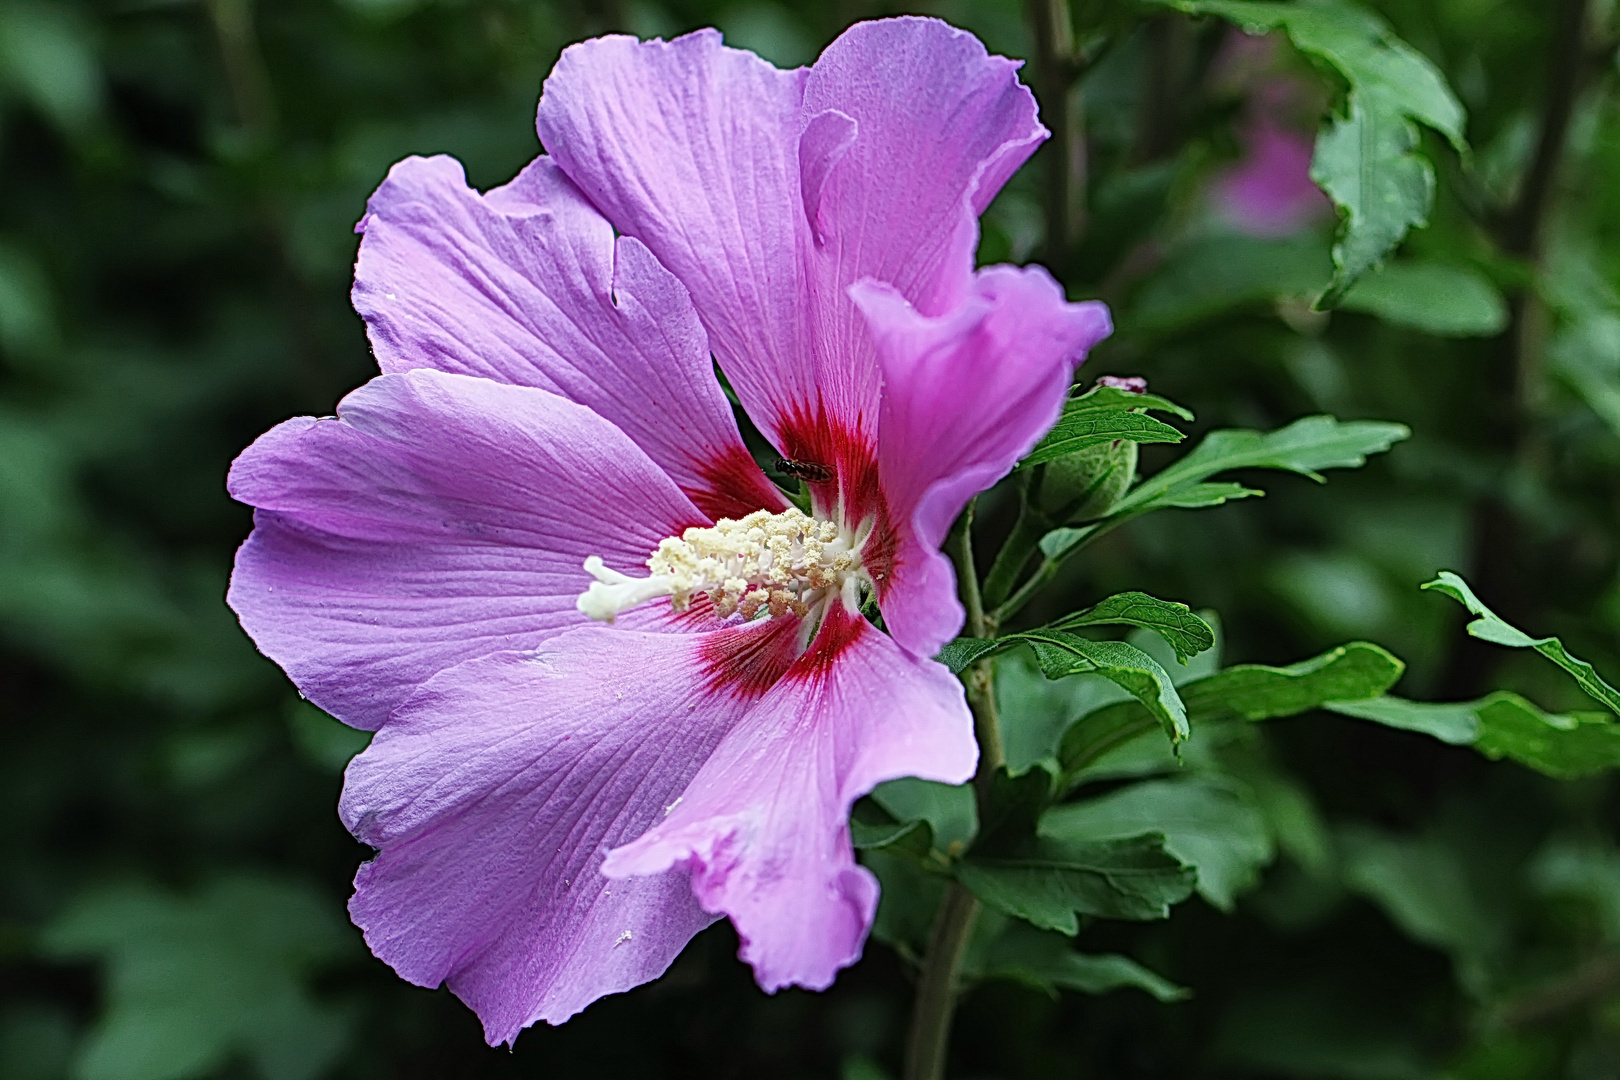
(782, 563)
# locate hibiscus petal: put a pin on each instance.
(492, 794)
(763, 828)
(940, 125)
(438, 518)
(527, 285)
(965, 396)
(692, 148)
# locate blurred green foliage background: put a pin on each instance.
(178, 184)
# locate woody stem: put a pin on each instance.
(929, 1038)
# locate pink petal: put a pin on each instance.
(692, 148)
(492, 794)
(438, 518)
(767, 209)
(527, 285)
(937, 125)
(965, 396)
(763, 827)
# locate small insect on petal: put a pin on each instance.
(813, 471)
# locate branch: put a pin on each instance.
(1593, 979)
(1521, 230)
(1056, 66)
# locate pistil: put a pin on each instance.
(764, 562)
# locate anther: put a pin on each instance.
(764, 562)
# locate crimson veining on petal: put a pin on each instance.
(853, 496)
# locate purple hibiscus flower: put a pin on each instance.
(558, 803)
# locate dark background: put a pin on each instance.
(178, 186)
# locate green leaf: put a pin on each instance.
(1207, 825)
(1200, 496)
(1047, 961)
(1128, 667)
(1360, 46)
(1084, 431)
(1305, 447)
(1103, 415)
(1489, 627)
(1366, 162)
(1357, 670)
(949, 809)
(915, 838)
(194, 980)
(1103, 399)
(1585, 354)
(1424, 886)
(1035, 710)
(1565, 747)
(908, 900)
(1350, 672)
(1061, 654)
(1012, 807)
(1436, 298)
(1586, 870)
(1503, 724)
(1366, 158)
(961, 654)
(1059, 542)
(1453, 723)
(1051, 883)
(1183, 631)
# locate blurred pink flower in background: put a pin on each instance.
(1269, 191)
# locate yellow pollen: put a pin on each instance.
(775, 563)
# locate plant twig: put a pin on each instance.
(1021, 543)
(1049, 567)
(1594, 979)
(1497, 529)
(959, 546)
(936, 987)
(243, 63)
(928, 1040)
(1521, 231)
(1056, 66)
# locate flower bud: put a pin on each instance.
(1084, 486)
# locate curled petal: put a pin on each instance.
(965, 396)
(768, 192)
(938, 125)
